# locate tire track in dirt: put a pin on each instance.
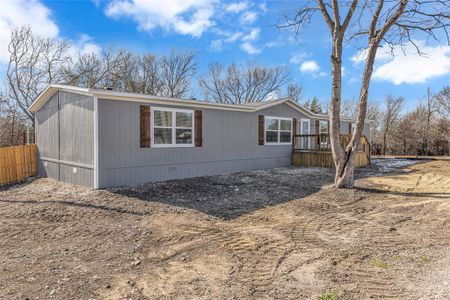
(346, 223)
(257, 256)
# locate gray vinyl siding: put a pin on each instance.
(230, 144)
(65, 138)
(345, 129)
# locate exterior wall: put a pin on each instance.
(366, 129)
(65, 138)
(230, 144)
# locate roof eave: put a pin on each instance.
(50, 90)
(106, 94)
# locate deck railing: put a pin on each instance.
(321, 142)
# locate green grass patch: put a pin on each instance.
(330, 296)
(379, 263)
(290, 278)
(424, 259)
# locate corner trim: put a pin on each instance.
(96, 138)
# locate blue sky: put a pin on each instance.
(225, 31)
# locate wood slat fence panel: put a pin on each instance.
(317, 157)
(17, 163)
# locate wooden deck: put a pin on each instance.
(314, 151)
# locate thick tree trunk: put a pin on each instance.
(337, 150)
(345, 166)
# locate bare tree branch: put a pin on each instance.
(393, 23)
(242, 85)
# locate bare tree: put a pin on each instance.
(443, 99)
(374, 115)
(12, 122)
(430, 109)
(391, 114)
(294, 92)
(390, 22)
(404, 135)
(97, 71)
(349, 108)
(142, 75)
(34, 62)
(238, 85)
(177, 71)
(313, 104)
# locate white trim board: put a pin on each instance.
(96, 144)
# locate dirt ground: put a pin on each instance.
(276, 234)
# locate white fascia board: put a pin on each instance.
(111, 95)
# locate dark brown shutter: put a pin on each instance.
(317, 132)
(198, 128)
(261, 130)
(145, 126)
(328, 126)
(294, 126)
(350, 128)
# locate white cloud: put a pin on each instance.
(34, 14)
(309, 66)
(249, 48)
(406, 66)
(233, 37)
(414, 68)
(216, 45)
(236, 7)
(263, 7)
(272, 44)
(189, 17)
(249, 17)
(84, 45)
(252, 35)
(24, 12)
(297, 58)
(272, 96)
(312, 67)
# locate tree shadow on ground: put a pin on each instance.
(230, 196)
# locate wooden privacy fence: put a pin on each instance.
(17, 163)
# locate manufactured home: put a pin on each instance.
(103, 138)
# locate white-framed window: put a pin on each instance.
(172, 127)
(323, 127)
(277, 131)
(353, 127)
